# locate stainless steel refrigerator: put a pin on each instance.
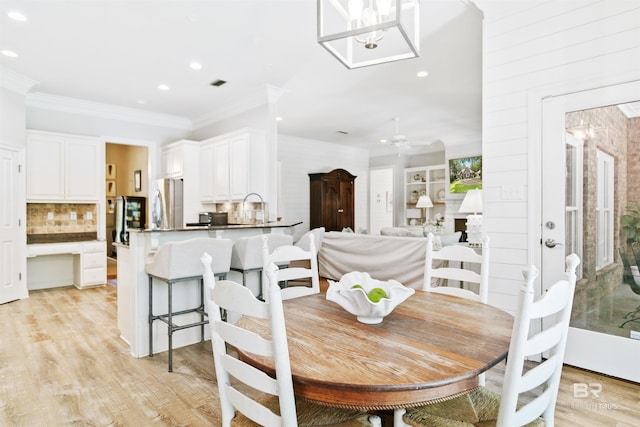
(167, 204)
(130, 213)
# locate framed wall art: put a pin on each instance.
(137, 181)
(111, 188)
(465, 174)
(110, 171)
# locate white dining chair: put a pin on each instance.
(276, 404)
(298, 270)
(438, 265)
(484, 405)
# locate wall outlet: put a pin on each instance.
(89, 215)
(73, 216)
(50, 216)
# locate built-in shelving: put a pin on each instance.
(421, 181)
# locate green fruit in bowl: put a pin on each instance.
(376, 294)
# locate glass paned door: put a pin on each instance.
(573, 198)
(587, 141)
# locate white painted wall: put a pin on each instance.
(299, 157)
(533, 47)
(13, 118)
(381, 198)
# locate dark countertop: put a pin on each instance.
(61, 237)
(273, 224)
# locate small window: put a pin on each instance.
(604, 209)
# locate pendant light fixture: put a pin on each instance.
(360, 33)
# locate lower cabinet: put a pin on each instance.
(92, 268)
(51, 265)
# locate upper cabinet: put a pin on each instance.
(179, 160)
(174, 156)
(64, 167)
(233, 165)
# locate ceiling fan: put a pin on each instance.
(399, 140)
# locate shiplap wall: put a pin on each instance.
(299, 157)
(529, 47)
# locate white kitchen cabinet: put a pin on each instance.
(221, 169)
(92, 268)
(206, 173)
(179, 160)
(64, 167)
(59, 264)
(233, 165)
(421, 181)
(174, 157)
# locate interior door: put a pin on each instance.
(380, 199)
(13, 283)
(580, 209)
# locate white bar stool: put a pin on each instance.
(246, 256)
(176, 262)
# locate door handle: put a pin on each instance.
(550, 243)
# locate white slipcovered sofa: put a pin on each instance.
(383, 257)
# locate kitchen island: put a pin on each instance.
(133, 282)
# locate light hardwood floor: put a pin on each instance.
(62, 363)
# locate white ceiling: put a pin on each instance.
(118, 52)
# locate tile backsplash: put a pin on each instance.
(48, 218)
(237, 213)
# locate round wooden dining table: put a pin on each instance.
(431, 347)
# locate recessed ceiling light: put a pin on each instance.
(10, 53)
(279, 119)
(16, 16)
(163, 87)
(195, 65)
(383, 141)
(141, 101)
(421, 74)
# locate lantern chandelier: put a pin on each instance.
(360, 33)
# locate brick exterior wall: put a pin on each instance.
(619, 137)
(633, 161)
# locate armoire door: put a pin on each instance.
(331, 200)
(345, 204)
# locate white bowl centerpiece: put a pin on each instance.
(357, 300)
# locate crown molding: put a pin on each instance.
(15, 82)
(630, 110)
(252, 99)
(107, 111)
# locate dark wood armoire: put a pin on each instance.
(332, 195)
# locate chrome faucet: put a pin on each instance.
(261, 207)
